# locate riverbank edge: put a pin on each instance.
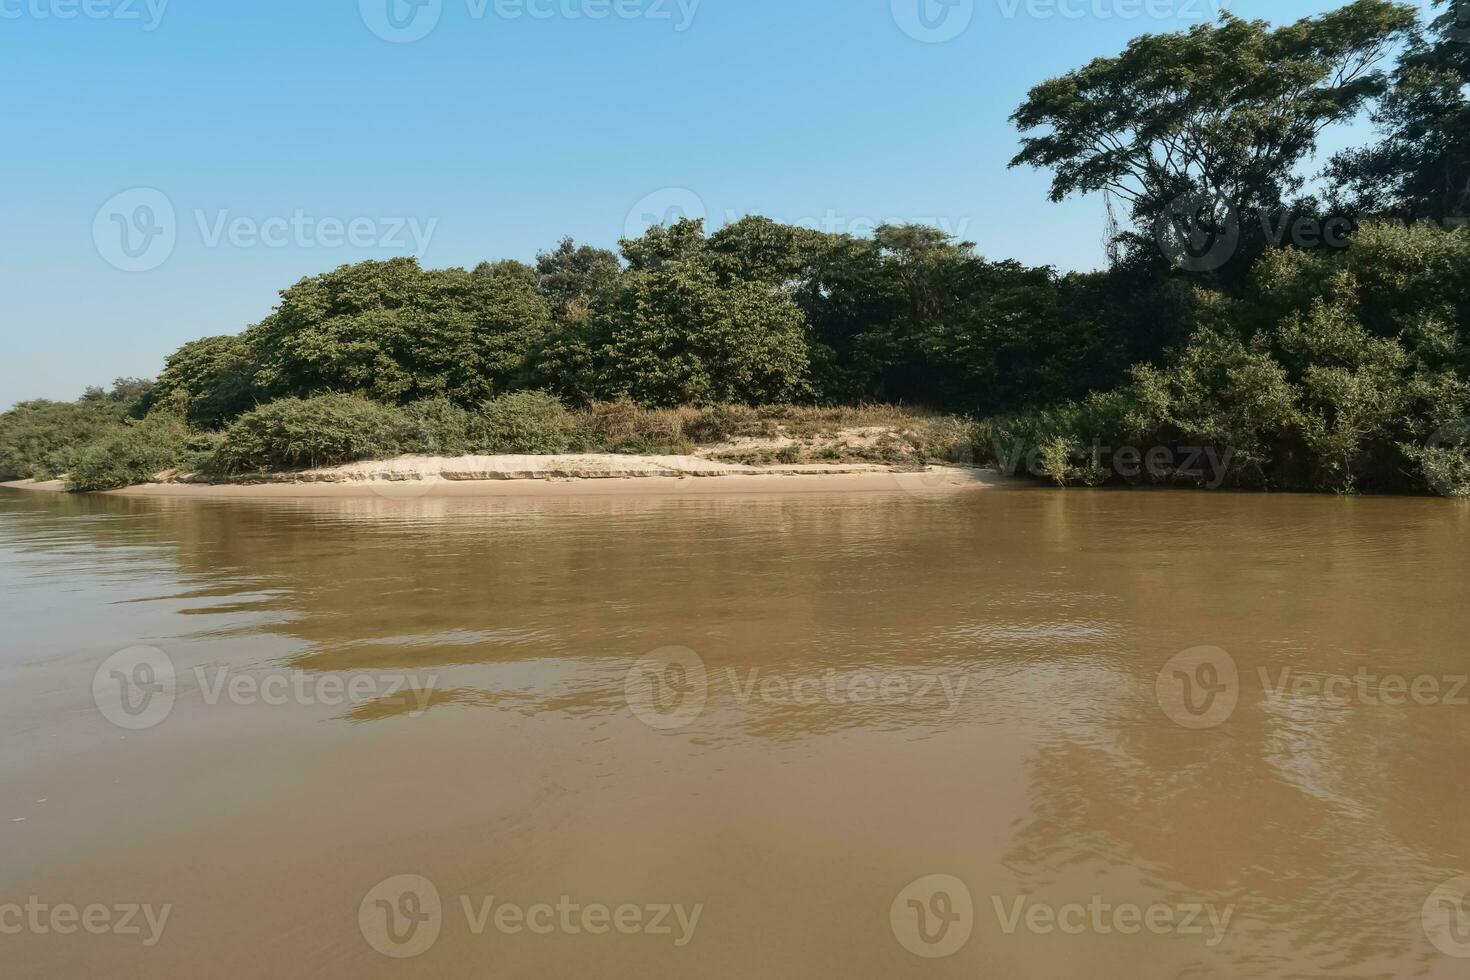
(414, 477)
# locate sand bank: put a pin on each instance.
(566, 475)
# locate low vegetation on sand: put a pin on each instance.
(329, 430)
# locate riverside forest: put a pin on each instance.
(1304, 320)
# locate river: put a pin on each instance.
(998, 733)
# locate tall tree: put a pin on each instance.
(1224, 112)
(397, 333)
(1421, 168)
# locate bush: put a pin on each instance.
(525, 422)
(301, 433)
(436, 427)
(41, 439)
(720, 422)
(676, 336)
(944, 439)
(135, 454)
(623, 427)
(209, 380)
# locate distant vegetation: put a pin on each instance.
(1305, 366)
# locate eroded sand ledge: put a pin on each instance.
(566, 475)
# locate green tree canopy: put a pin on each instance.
(675, 336)
(1421, 167)
(210, 379)
(1226, 110)
(398, 333)
(574, 277)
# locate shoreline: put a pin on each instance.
(417, 477)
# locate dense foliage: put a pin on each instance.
(1421, 167)
(1287, 364)
(1337, 371)
(41, 439)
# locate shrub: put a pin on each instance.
(41, 439)
(299, 433)
(209, 380)
(725, 421)
(945, 439)
(398, 333)
(676, 336)
(137, 453)
(436, 427)
(623, 427)
(525, 422)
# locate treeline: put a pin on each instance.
(1302, 366)
(756, 313)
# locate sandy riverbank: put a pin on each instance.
(566, 475)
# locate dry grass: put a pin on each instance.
(800, 434)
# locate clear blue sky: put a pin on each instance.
(509, 124)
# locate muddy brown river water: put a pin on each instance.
(998, 733)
